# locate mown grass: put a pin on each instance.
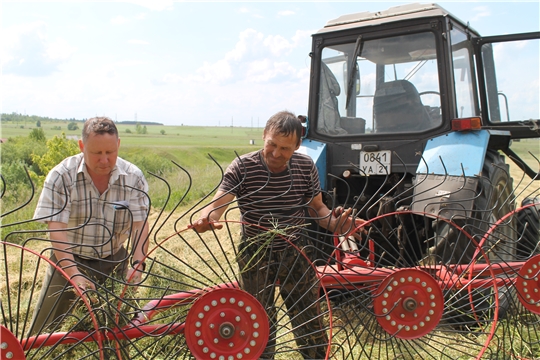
(188, 147)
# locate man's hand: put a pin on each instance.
(135, 272)
(347, 224)
(85, 285)
(204, 224)
(134, 275)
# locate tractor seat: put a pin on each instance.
(397, 108)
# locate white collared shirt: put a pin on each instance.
(97, 224)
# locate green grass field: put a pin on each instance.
(189, 147)
(173, 136)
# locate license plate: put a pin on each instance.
(375, 162)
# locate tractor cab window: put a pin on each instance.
(463, 68)
(387, 85)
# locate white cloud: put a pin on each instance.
(255, 59)
(286, 13)
(154, 5)
(119, 20)
(480, 12)
(266, 70)
(278, 45)
(217, 72)
(138, 42)
(27, 50)
(60, 50)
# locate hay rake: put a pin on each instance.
(417, 286)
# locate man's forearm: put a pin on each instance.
(140, 240)
(62, 248)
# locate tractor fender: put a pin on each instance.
(317, 151)
(448, 174)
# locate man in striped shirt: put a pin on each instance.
(92, 203)
(274, 188)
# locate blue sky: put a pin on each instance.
(191, 63)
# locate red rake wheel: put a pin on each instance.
(518, 327)
(415, 296)
(21, 275)
(409, 304)
(10, 347)
(227, 323)
(528, 284)
(217, 299)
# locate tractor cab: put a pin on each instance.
(384, 84)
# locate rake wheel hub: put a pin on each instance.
(226, 323)
(528, 284)
(408, 303)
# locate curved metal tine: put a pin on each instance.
(222, 266)
(162, 210)
(389, 191)
(332, 207)
(527, 190)
(370, 204)
(3, 189)
(193, 214)
(195, 274)
(210, 192)
(3, 214)
(178, 284)
(438, 185)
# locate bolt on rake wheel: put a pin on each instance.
(227, 323)
(231, 299)
(528, 284)
(409, 304)
(402, 301)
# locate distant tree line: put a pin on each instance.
(138, 122)
(17, 118)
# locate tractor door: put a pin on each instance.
(509, 83)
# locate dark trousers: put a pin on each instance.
(262, 269)
(57, 297)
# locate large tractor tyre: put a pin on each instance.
(493, 200)
(528, 228)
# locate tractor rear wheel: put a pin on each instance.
(493, 200)
(528, 228)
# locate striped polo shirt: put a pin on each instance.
(272, 200)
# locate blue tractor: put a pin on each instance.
(412, 109)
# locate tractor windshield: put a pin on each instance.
(394, 81)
